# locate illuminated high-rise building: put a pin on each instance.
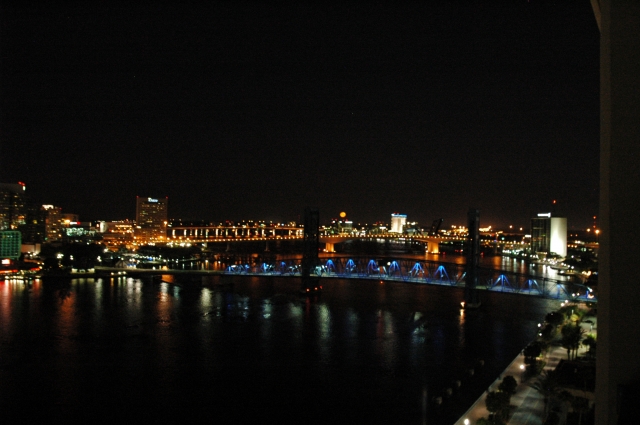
(53, 222)
(10, 245)
(151, 218)
(13, 206)
(397, 222)
(549, 234)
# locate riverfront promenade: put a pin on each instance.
(527, 404)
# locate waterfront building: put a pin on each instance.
(10, 244)
(12, 205)
(53, 223)
(34, 227)
(18, 212)
(116, 233)
(397, 222)
(70, 219)
(341, 225)
(151, 218)
(412, 228)
(549, 234)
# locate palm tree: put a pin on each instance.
(547, 384)
(531, 353)
(580, 405)
(590, 341)
(489, 421)
(555, 318)
(571, 337)
(498, 403)
(508, 385)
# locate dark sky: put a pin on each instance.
(249, 111)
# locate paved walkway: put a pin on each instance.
(527, 403)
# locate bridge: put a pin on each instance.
(432, 242)
(406, 270)
(426, 272)
(206, 234)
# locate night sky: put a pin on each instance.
(250, 111)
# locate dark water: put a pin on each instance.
(250, 350)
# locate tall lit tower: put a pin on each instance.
(13, 205)
(397, 222)
(53, 222)
(151, 217)
(549, 234)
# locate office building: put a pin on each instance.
(151, 218)
(53, 222)
(10, 244)
(13, 206)
(18, 212)
(549, 234)
(397, 222)
(34, 227)
(116, 233)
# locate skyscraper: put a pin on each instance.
(549, 234)
(53, 222)
(12, 206)
(10, 245)
(151, 218)
(397, 222)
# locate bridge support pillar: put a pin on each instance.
(311, 244)
(473, 256)
(433, 247)
(329, 247)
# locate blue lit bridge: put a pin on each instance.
(425, 272)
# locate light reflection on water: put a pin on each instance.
(365, 348)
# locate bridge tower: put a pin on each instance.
(311, 244)
(471, 299)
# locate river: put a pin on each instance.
(243, 349)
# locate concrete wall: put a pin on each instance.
(618, 358)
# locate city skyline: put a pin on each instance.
(254, 111)
(395, 221)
